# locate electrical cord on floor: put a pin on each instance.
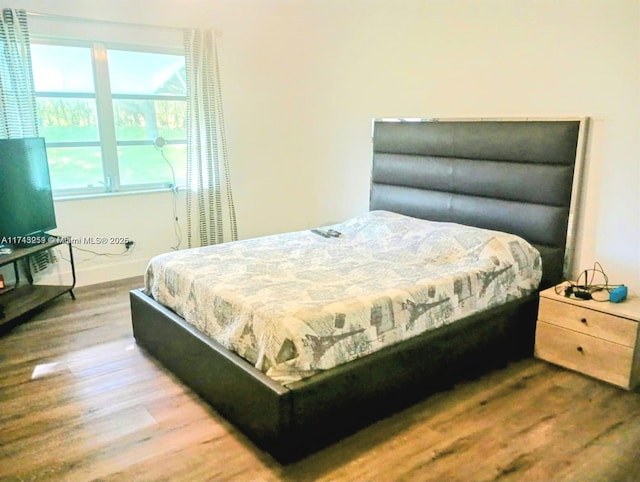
(127, 252)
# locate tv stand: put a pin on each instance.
(24, 296)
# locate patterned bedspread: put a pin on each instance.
(295, 303)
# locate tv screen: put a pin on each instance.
(26, 200)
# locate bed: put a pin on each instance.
(518, 177)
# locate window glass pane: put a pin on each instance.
(59, 68)
(65, 119)
(146, 73)
(138, 120)
(146, 164)
(75, 167)
(69, 113)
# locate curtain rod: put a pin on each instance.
(103, 22)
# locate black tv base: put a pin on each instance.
(24, 296)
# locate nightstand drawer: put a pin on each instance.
(596, 357)
(589, 321)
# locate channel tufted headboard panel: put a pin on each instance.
(508, 175)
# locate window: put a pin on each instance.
(101, 109)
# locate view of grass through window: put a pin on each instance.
(97, 131)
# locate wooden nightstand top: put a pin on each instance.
(629, 308)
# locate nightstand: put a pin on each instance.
(599, 339)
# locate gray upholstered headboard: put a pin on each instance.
(515, 176)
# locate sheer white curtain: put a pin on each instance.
(211, 217)
(18, 115)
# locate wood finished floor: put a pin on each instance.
(80, 401)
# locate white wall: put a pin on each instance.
(303, 79)
(146, 219)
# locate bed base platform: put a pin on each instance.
(291, 422)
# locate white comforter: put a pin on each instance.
(296, 303)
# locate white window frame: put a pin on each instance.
(107, 141)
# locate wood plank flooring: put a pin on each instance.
(79, 401)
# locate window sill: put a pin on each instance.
(81, 197)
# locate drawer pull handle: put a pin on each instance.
(580, 349)
(583, 320)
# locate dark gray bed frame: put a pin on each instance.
(510, 175)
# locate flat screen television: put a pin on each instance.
(26, 199)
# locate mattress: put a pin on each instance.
(297, 303)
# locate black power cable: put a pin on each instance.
(585, 289)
